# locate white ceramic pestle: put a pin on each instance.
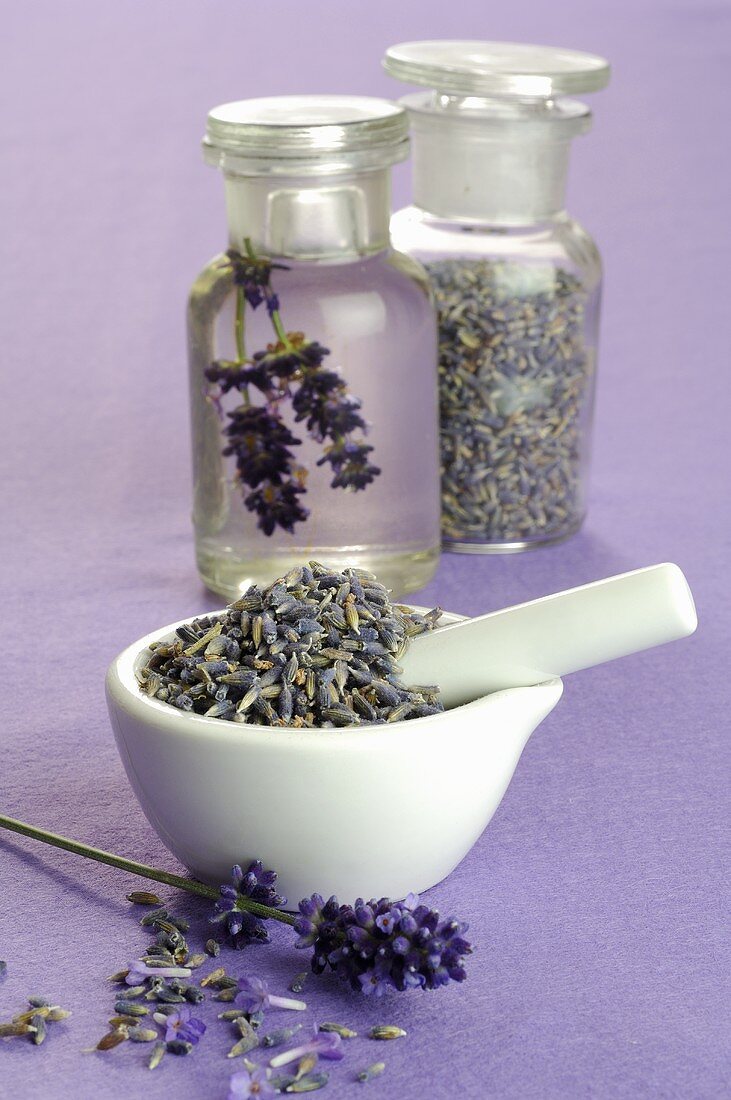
(536, 641)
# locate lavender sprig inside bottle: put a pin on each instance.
(289, 372)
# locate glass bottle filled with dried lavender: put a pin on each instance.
(313, 353)
(517, 283)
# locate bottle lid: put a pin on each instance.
(306, 133)
(467, 68)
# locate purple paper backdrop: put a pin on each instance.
(596, 896)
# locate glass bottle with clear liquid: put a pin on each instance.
(517, 283)
(311, 294)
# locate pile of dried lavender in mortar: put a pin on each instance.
(316, 648)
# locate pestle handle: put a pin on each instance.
(552, 636)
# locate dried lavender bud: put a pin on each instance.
(143, 897)
(112, 1039)
(343, 1032)
(370, 1072)
(322, 650)
(14, 1030)
(130, 1008)
(142, 1034)
(281, 1036)
(157, 1054)
(516, 377)
(386, 1031)
(153, 917)
(213, 948)
(178, 1046)
(3, 969)
(38, 1029)
(298, 982)
(311, 1083)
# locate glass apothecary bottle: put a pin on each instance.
(517, 283)
(313, 353)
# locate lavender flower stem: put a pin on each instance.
(279, 329)
(141, 869)
(240, 309)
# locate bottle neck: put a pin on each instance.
(310, 218)
(492, 165)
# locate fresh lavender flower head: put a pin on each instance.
(289, 372)
(182, 1025)
(380, 945)
(251, 1084)
(255, 884)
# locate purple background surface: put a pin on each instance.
(596, 896)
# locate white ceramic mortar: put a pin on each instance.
(369, 811)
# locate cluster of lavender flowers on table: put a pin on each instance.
(290, 372)
(373, 945)
(316, 648)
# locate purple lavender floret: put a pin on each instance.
(182, 1025)
(260, 442)
(229, 376)
(278, 506)
(251, 1084)
(256, 884)
(380, 945)
(253, 275)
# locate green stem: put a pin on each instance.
(279, 329)
(239, 327)
(264, 911)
